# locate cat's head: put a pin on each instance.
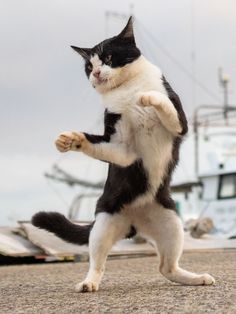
(107, 65)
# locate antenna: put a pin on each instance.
(193, 52)
(224, 81)
(131, 9)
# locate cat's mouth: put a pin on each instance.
(101, 80)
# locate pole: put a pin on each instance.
(196, 123)
(196, 143)
(225, 87)
(224, 81)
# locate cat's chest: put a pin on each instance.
(141, 129)
(119, 101)
(149, 140)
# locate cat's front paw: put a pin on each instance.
(149, 99)
(70, 141)
(86, 286)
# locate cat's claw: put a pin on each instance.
(207, 280)
(69, 141)
(86, 286)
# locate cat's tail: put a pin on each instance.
(62, 227)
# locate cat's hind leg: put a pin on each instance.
(167, 232)
(106, 231)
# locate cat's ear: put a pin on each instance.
(128, 31)
(84, 52)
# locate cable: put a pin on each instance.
(177, 62)
(143, 43)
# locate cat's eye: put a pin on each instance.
(108, 60)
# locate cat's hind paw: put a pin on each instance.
(86, 286)
(207, 280)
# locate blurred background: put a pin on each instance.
(44, 91)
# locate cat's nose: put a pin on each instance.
(97, 73)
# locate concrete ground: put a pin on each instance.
(129, 286)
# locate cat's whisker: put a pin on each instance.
(114, 83)
(109, 82)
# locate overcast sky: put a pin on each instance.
(43, 89)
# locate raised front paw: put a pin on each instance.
(86, 286)
(70, 141)
(151, 98)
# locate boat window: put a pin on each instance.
(227, 187)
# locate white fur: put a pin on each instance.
(106, 80)
(120, 155)
(143, 132)
(146, 130)
(166, 111)
(141, 129)
(106, 231)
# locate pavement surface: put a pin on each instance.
(129, 286)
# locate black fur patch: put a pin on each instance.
(110, 120)
(88, 67)
(177, 104)
(123, 185)
(115, 52)
(62, 227)
(163, 195)
(122, 51)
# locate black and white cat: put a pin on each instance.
(144, 126)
